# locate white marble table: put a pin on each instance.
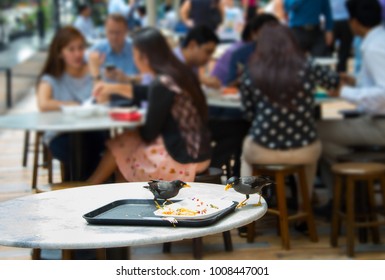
(60, 122)
(57, 121)
(53, 220)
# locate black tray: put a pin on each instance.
(140, 212)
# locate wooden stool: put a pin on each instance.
(353, 173)
(66, 254)
(280, 172)
(212, 175)
(363, 157)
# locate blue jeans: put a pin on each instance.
(60, 148)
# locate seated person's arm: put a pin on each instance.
(95, 62)
(160, 101)
(103, 91)
(235, 70)
(120, 77)
(209, 81)
(45, 100)
(369, 98)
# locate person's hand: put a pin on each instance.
(347, 80)
(116, 75)
(212, 82)
(189, 23)
(334, 92)
(95, 61)
(102, 92)
(329, 38)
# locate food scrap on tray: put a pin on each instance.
(194, 208)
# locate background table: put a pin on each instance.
(59, 122)
(53, 220)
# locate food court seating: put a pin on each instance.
(353, 173)
(280, 172)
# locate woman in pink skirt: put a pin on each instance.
(174, 142)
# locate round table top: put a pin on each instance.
(54, 220)
(58, 121)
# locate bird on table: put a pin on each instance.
(248, 185)
(165, 189)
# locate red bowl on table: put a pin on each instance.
(230, 90)
(126, 114)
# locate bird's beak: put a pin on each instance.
(186, 186)
(228, 186)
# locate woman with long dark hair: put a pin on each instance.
(277, 96)
(65, 81)
(174, 142)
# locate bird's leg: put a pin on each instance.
(243, 202)
(169, 202)
(166, 201)
(157, 204)
(259, 201)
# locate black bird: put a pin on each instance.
(165, 189)
(248, 185)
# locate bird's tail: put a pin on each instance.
(146, 187)
(268, 180)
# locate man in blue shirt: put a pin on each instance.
(114, 54)
(305, 21)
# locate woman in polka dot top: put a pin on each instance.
(277, 97)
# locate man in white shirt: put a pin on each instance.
(367, 92)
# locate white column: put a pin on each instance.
(151, 12)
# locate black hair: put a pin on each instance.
(276, 62)
(366, 12)
(150, 42)
(142, 10)
(260, 20)
(202, 35)
(82, 7)
(246, 33)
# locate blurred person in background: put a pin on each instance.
(174, 142)
(276, 8)
(114, 54)
(83, 21)
(304, 17)
(222, 66)
(342, 33)
(197, 50)
(118, 7)
(233, 22)
(367, 91)
(241, 56)
(65, 80)
(202, 12)
(250, 8)
(277, 97)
